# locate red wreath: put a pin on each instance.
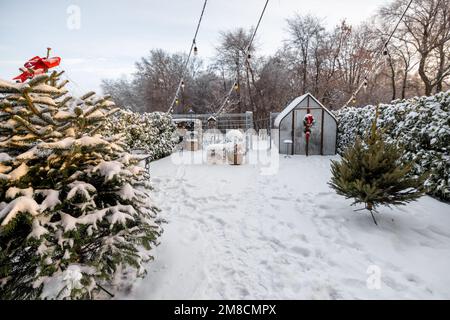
(308, 122)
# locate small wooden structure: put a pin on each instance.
(212, 122)
(192, 143)
(235, 154)
(318, 139)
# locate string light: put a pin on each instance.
(247, 54)
(366, 84)
(194, 50)
(177, 101)
(236, 86)
(384, 52)
(386, 57)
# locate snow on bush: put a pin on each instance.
(234, 141)
(154, 133)
(74, 205)
(420, 125)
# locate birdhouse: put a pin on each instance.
(212, 122)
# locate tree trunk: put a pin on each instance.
(369, 206)
(394, 89)
(238, 81)
(423, 75)
(405, 82)
(440, 75)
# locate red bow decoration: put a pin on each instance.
(36, 66)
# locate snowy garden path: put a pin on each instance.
(235, 234)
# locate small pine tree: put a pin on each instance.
(74, 206)
(373, 173)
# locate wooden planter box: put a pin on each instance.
(235, 156)
(191, 145)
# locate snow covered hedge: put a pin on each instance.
(421, 125)
(74, 205)
(153, 133)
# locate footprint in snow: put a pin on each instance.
(302, 251)
(280, 198)
(439, 231)
(413, 278)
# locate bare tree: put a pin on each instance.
(426, 27)
(305, 36)
(234, 59)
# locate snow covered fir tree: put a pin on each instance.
(373, 172)
(75, 210)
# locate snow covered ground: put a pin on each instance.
(233, 233)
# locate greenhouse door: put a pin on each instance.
(314, 146)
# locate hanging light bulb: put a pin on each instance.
(386, 58)
(182, 85)
(236, 86)
(195, 49)
(354, 99)
(366, 84)
(177, 101)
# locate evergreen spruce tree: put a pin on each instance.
(373, 173)
(74, 206)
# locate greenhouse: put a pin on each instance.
(305, 127)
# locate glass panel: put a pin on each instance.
(316, 133)
(329, 138)
(286, 134)
(299, 136)
(313, 104)
(302, 105)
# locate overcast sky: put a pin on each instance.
(112, 35)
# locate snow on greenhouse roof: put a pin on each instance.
(294, 104)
